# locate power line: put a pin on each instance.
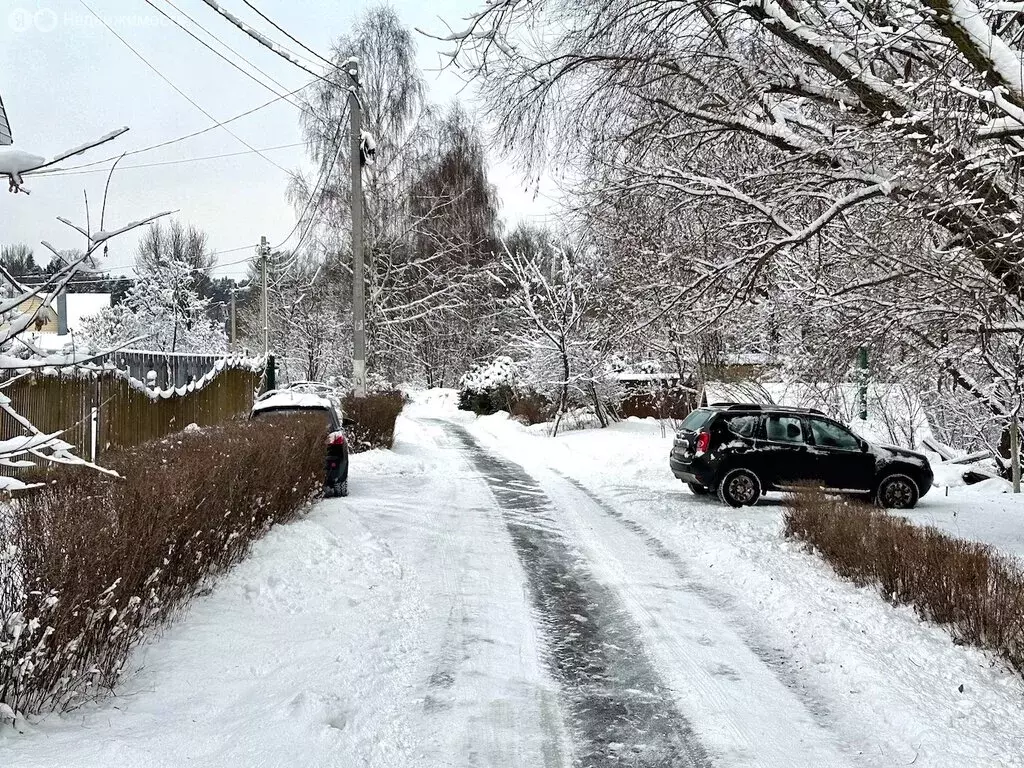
(287, 34)
(324, 173)
(70, 172)
(176, 88)
(28, 280)
(213, 50)
(267, 42)
(178, 140)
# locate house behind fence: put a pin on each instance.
(128, 413)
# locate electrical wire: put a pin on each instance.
(69, 172)
(213, 50)
(125, 278)
(176, 88)
(267, 43)
(287, 34)
(324, 173)
(180, 139)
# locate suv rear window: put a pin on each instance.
(744, 426)
(695, 420)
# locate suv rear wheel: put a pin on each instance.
(897, 492)
(697, 489)
(739, 487)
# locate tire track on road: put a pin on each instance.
(784, 667)
(623, 714)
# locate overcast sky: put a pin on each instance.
(65, 79)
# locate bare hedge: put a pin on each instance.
(374, 418)
(90, 564)
(972, 590)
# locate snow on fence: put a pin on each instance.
(128, 412)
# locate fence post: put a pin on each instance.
(271, 373)
(93, 432)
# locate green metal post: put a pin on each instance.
(862, 392)
(271, 373)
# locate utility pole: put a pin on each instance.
(1015, 451)
(234, 337)
(358, 287)
(62, 312)
(264, 254)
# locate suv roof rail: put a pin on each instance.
(764, 407)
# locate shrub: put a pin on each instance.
(490, 388)
(531, 408)
(374, 418)
(977, 593)
(90, 563)
(485, 390)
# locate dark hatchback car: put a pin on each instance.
(306, 400)
(740, 451)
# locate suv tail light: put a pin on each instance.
(336, 438)
(703, 441)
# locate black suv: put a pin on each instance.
(742, 450)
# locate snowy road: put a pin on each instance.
(481, 600)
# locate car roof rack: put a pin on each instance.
(764, 407)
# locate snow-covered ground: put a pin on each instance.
(490, 596)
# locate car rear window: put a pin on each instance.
(744, 426)
(298, 411)
(695, 420)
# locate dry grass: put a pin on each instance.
(90, 564)
(975, 592)
(374, 418)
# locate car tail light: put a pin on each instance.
(336, 438)
(703, 441)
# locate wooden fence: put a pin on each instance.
(126, 417)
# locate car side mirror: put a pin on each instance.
(864, 446)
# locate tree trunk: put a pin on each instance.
(602, 417)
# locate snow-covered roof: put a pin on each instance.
(285, 398)
(6, 137)
(629, 376)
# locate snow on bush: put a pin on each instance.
(501, 372)
(90, 565)
(490, 388)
